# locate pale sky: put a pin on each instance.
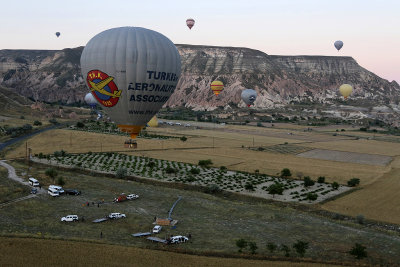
(369, 29)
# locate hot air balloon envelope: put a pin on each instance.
(249, 96)
(153, 122)
(338, 44)
(345, 90)
(132, 72)
(190, 23)
(58, 34)
(217, 87)
(90, 100)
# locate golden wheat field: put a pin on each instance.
(229, 147)
(44, 252)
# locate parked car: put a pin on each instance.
(178, 123)
(34, 191)
(178, 239)
(120, 198)
(157, 229)
(72, 192)
(70, 218)
(58, 188)
(53, 192)
(116, 215)
(187, 125)
(33, 182)
(132, 196)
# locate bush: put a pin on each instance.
(194, 171)
(223, 168)
(241, 244)
(321, 179)
(60, 181)
(286, 172)
(52, 173)
(22, 117)
(183, 138)
(212, 189)
(252, 247)
(353, 182)
(53, 121)
(170, 170)
(271, 246)
(335, 185)
(312, 196)
(249, 187)
(308, 182)
(358, 251)
(300, 247)
(275, 188)
(37, 123)
(80, 124)
(360, 219)
(205, 163)
(151, 164)
(121, 172)
(286, 250)
(259, 124)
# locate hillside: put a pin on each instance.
(280, 80)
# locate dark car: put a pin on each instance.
(34, 190)
(72, 192)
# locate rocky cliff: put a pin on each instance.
(55, 76)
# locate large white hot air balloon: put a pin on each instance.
(90, 100)
(338, 44)
(132, 72)
(249, 96)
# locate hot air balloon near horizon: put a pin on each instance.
(90, 100)
(217, 87)
(190, 23)
(338, 44)
(346, 90)
(58, 34)
(249, 96)
(132, 72)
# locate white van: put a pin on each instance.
(59, 189)
(53, 192)
(33, 182)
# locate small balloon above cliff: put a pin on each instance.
(190, 23)
(338, 44)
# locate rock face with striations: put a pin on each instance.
(279, 80)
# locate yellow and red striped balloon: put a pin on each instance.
(217, 87)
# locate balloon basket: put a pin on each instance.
(130, 144)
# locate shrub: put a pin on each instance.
(259, 124)
(37, 123)
(183, 138)
(275, 188)
(360, 219)
(151, 164)
(53, 121)
(249, 187)
(321, 179)
(271, 246)
(22, 117)
(252, 247)
(308, 182)
(335, 185)
(286, 250)
(190, 179)
(52, 173)
(80, 124)
(60, 181)
(300, 247)
(194, 171)
(358, 251)
(286, 172)
(205, 163)
(121, 172)
(223, 168)
(212, 189)
(241, 244)
(312, 196)
(170, 170)
(353, 182)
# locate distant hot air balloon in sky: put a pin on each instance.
(249, 96)
(190, 23)
(90, 100)
(338, 44)
(58, 34)
(345, 90)
(132, 72)
(217, 87)
(153, 122)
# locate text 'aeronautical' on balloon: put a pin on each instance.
(151, 87)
